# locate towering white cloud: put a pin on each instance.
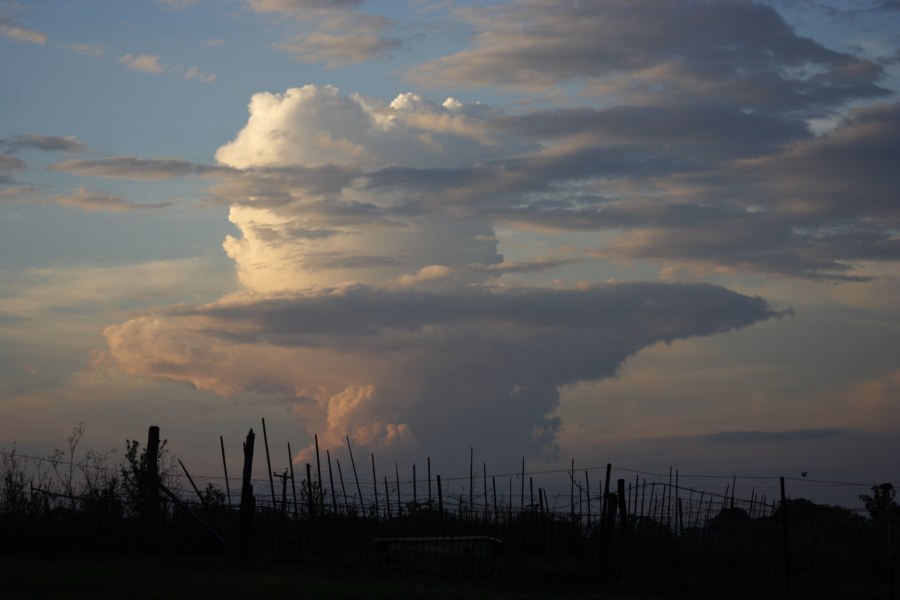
(304, 239)
(379, 312)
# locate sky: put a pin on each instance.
(648, 233)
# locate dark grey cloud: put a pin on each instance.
(740, 52)
(47, 143)
(99, 201)
(280, 187)
(131, 167)
(704, 130)
(767, 437)
(804, 206)
(8, 163)
(333, 33)
(434, 359)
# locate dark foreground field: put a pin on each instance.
(142, 579)
(139, 579)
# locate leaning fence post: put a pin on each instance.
(193, 485)
(784, 530)
(225, 468)
(248, 502)
(269, 463)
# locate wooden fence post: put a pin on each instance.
(623, 503)
(293, 482)
(362, 506)
(784, 530)
(151, 478)
(248, 501)
(269, 463)
(331, 481)
(225, 468)
(440, 504)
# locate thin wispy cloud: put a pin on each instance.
(13, 31)
(93, 201)
(149, 63)
(95, 50)
(144, 63)
(47, 143)
(131, 167)
(331, 33)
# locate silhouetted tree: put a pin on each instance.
(881, 503)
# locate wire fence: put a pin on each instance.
(626, 527)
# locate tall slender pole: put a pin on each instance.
(375, 485)
(522, 495)
(397, 476)
(587, 493)
(248, 502)
(151, 489)
(362, 506)
(572, 489)
(310, 501)
(225, 468)
(784, 530)
(319, 470)
(440, 503)
(331, 481)
(471, 481)
(605, 506)
(429, 483)
(494, 487)
(415, 499)
(293, 482)
(484, 479)
(268, 462)
(193, 485)
(343, 489)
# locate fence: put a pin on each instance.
(557, 528)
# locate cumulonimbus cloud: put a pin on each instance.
(385, 318)
(404, 369)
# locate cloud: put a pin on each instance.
(180, 4)
(337, 49)
(418, 365)
(644, 51)
(95, 50)
(299, 7)
(145, 63)
(375, 294)
(804, 226)
(47, 143)
(769, 437)
(698, 188)
(195, 73)
(149, 63)
(10, 163)
(11, 30)
(131, 167)
(80, 198)
(411, 131)
(92, 201)
(330, 32)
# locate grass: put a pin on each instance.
(97, 579)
